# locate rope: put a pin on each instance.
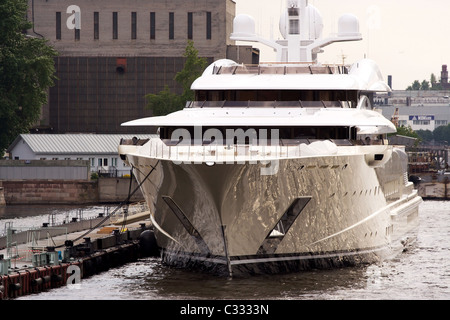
(125, 216)
(118, 207)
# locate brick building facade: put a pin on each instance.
(112, 53)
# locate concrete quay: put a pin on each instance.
(102, 190)
(65, 259)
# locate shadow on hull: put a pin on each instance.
(270, 264)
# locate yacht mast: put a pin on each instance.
(301, 27)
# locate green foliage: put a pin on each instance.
(26, 72)
(425, 84)
(167, 102)
(94, 176)
(164, 102)
(440, 135)
(425, 135)
(407, 132)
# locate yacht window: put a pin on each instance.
(294, 25)
(340, 98)
(286, 135)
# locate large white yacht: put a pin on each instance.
(278, 167)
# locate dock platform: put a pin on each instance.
(48, 257)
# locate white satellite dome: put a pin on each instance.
(243, 26)
(348, 25)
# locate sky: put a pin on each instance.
(409, 39)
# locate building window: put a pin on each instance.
(58, 26)
(421, 122)
(171, 26)
(441, 123)
(114, 162)
(96, 26)
(190, 26)
(105, 162)
(100, 162)
(77, 34)
(208, 26)
(133, 25)
(92, 162)
(115, 26)
(152, 26)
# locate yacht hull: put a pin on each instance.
(313, 212)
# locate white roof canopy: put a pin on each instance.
(363, 76)
(270, 117)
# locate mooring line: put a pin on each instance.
(120, 206)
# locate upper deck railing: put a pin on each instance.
(282, 69)
(269, 104)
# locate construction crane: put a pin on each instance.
(394, 118)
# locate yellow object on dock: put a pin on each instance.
(107, 230)
(132, 218)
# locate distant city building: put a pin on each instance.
(444, 78)
(420, 118)
(419, 109)
(411, 98)
(112, 53)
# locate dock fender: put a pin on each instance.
(147, 243)
(14, 284)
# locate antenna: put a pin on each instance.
(343, 57)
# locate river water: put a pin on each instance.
(420, 273)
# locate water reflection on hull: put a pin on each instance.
(317, 212)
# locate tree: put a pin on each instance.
(442, 134)
(407, 132)
(425, 135)
(433, 81)
(26, 72)
(166, 102)
(415, 85)
(425, 85)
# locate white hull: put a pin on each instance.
(335, 210)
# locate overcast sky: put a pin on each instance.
(409, 39)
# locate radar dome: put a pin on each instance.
(348, 25)
(243, 25)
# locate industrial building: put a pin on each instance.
(418, 109)
(113, 53)
(427, 117)
(100, 150)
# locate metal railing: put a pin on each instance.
(219, 153)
